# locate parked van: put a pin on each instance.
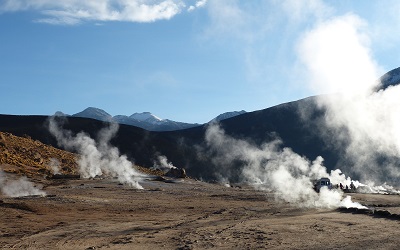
(323, 182)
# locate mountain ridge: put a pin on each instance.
(145, 120)
(189, 148)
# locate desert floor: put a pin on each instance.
(100, 214)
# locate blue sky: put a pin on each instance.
(188, 60)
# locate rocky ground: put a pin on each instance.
(101, 214)
(24, 156)
(175, 214)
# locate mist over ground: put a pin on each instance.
(18, 187)
(97, 157)
(362, 117)
(275, 169)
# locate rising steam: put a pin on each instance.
(162, 163)
(19, 187)
(55, 164)
(337, 59)
(270, 168)
(99, 157)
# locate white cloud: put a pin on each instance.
(262, 32)
(300, 10)
(198, 4)
(230, 19)
(74, 11)
(201, 3)
(245, 29)
(257, 20)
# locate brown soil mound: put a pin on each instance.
(24, 156)
(32, 158)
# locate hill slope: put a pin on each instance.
(307, 136)
(182, 147)
(22, 155)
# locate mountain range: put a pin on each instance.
(145, 120)
(188, 148)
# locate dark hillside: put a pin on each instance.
(180, 147)
(283, 121)
(36, 127)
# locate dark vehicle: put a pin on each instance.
(323, 182)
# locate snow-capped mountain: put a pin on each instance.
(147, 120)
(146, 117)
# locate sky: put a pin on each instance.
(186, 60)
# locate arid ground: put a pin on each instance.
(171, 213)
(188, 214)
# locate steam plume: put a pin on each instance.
(278, 170)
(97, 158)
(337, 58)
(163, 163)
(55, 165)
(19, 187)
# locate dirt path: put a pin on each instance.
(100, 214)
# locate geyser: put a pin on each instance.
(97, 157)
(281, 171)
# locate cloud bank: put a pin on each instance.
(70, 12)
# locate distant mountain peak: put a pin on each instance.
(145, 116)
(94, 113)
(147, 120)
(96, 110)
(59, 113)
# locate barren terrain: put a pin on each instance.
(173, 213)
(100, 214)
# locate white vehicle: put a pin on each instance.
(323, 182)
